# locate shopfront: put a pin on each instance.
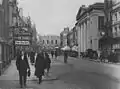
(107, 43)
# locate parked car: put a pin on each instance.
(92, 54)
(73, 53)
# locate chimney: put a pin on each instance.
(83, 6)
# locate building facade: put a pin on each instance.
(64, 37)
(115, 13)
(88, 26)
(7, 12)
(72, 37)
(50, 41)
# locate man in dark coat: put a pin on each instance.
(47, 62)
(56, 54)
(22, 66)
(65, 56)
(52, 53)
(39, 66)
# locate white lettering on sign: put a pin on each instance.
(22, 38)
(22, 42)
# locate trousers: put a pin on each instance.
(22, 79)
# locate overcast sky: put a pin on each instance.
(51, 16)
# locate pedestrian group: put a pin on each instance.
(41, 63)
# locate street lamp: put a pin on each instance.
(102, 33)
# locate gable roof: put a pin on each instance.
(82, 10)
(97, 6)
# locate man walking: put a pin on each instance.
(52, 53)
(22, 66)
(56, 54)
(65, 56)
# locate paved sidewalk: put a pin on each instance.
(51, 82)
(11, 73)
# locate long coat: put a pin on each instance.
(56, 53)
(39, 65)
(22, 65)
(47, 61)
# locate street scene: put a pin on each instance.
(59, 44)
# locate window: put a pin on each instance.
(55, 41)
(115, 29)
(100, 22)
(51, 41)
(43, 41)
(47, 41)
(116, 16)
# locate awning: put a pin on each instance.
(65, 48)
(109, 40)
(75, 48)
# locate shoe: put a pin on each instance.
(40, 82)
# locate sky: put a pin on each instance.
(52, 16)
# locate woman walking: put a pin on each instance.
(22, 66)
(39, 66)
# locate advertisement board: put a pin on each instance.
(17, 42)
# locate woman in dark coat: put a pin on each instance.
(39, 66)
(22, 66)
(56, 55)
(47, 62)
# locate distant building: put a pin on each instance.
(63, 37)
(72, 37)
(50, 41)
